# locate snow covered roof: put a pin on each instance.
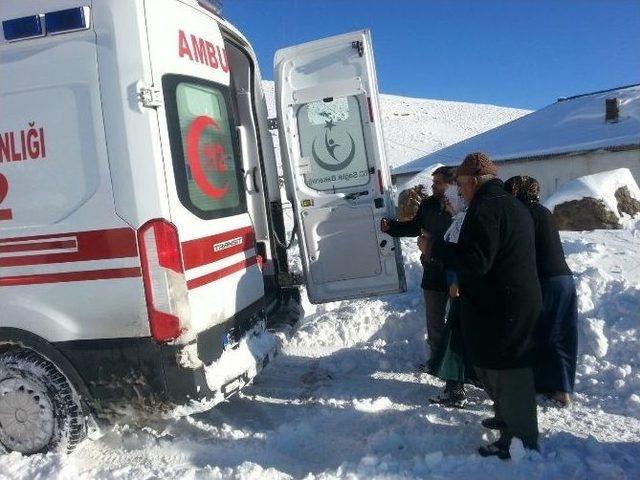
(571, 125)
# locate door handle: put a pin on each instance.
(251, 180)
(356, 195)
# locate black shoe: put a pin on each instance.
(450, 399)
(495, 450)
(423, 367)
(493, 423)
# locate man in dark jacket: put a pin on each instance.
(432, 217)
(500, 298)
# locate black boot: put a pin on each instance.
(453, 395)
(493, 423)
(496, 449)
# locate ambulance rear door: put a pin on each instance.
(335, 167)
(203, 163)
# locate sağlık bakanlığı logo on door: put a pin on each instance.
(330, 146)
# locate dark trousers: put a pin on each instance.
(514, 403)
(557, 336)
(450, 361)
(436, 308)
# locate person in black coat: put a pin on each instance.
(431, 216)
(500, 298)
(557, 333)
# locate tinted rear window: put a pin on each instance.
(206, 161)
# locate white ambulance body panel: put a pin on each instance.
(197, 127)
(117, 211)
(57, 233)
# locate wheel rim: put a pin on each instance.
(26, 416)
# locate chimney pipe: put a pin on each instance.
(612, 110)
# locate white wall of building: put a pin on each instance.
(552, 173)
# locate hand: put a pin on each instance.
(422, 245)
(425, 242)
(448, 207)
(385, 225)
(454, 291)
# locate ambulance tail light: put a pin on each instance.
(165, 284)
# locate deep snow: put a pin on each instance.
(344, 400)
(601, 185)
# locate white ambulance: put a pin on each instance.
(141, 224)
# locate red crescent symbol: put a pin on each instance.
(196, 129)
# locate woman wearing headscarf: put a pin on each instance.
(557, 334)
(449, 362)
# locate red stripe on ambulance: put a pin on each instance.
(91, 245)
(38, 245)
(223, 272)
(39, 279)
(206, 250)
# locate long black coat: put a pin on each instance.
(495, 260)
(432, 217)
(549, 254)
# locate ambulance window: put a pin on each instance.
(332, 141)
(207, 166)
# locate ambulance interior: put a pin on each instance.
(260, 170)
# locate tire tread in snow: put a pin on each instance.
(69, 423)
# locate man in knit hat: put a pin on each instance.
(500, 299)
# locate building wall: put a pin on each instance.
(552, 173)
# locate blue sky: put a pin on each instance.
(520, 53)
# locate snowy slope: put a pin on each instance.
(414, 127)
(343, 400)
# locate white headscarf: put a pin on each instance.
(459, 211)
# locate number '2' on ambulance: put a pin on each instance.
(142, 234)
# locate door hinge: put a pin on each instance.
(273, 123)
(359, 46)
(149, 96)
(290, 279)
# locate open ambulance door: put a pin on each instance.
(335, 167)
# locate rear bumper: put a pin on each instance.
(155, 377)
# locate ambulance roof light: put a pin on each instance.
(23, 28)
(65, 21)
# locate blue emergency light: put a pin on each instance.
(64, 21)
(61, 21)
(23, 28)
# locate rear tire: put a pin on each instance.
(39, 409)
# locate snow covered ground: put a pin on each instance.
(344, 400)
